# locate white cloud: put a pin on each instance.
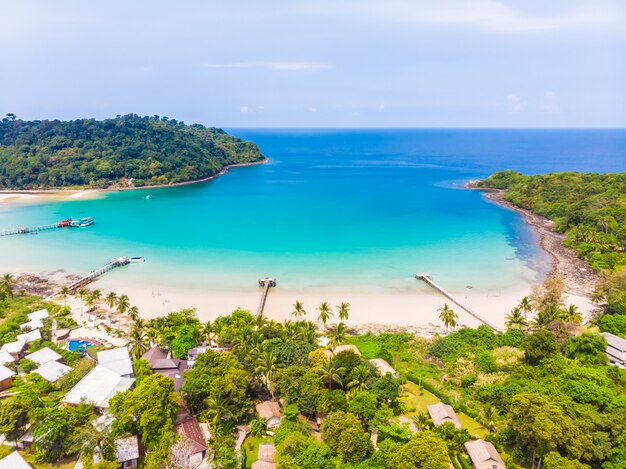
(550, 103)
(244, 109)
(294, 66)
(516, 104)
(313, 109)
(381, 107)
(228, 65)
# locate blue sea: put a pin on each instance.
(354, 210)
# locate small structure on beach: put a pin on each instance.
(17, 349)
(615, 349)
(117, 360)
(97, 387)
(51, 371)
(44, 355)
(14, 461)
(342, 348)
(31, 325)
(383, 367)
(38, 315)
(484, 455)
(441, 413)
(30, 336)
(6, 378)
(265, 460)
(6, 357)
(270, 412)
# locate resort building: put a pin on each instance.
(441, 413)
(97, 387)
(14, 461)
(6, 357)
(44, 355)
(41, 314)
(383, 367)
(51, 371)
(267, 452)
(32, 325)
(17, 349)
(342, 348)
(30, 336)
(615, 349)
(127, 451)
(6, 378)
(187, 426)
(117, 360)
(484, 455)
(171, 367)
(270, 412)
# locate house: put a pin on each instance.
(98, 386)
(383, 367)
(270, 412)
(32, 325)
(16, 349)
(44, 355)
(6, 378)
(267, 451)
(127, 451)
(441, 413)
(615, 349)
(171, 367)
(41, 314)
(342, 348)
(14, 461)
(6, 357)
(187, 426)
(51, 371)
(30, 336)
(484, 455)
(117, 360)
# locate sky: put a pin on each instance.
(318, 63)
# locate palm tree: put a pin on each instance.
(447, 316)
(97, 295)
(218, 411)
(516, 320)
(344, 311)
(98, 441)
(331, 373)
(111, 300)
(490, 415)
(325, 312)
(571, 314)
(298, 310)
(360, 376)
(266, 365)
(7, 283)
(123, 303)
(153, 336)
(598, 298)
(82, 294)
(64, 294)
(137, 341)
(422, 421)
(338, 335)
(208, 332)
(133, 313)
(546, 316)
(526, 306)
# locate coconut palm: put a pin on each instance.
(298, 310)
(570, 314)
(546, 316)
(7, 283)
(111, 300)
(325, 312)
(344, 311)
(526, 306)
(447, 316)
(97, 295)
(516, 320)
(490, 415)
(90, 300)
(64, 294)
(265, 366)
(422, 421)
(137, 341)
(133, 313)
(123, 303)
(153, 336)
(82, 294)
(598, 298)
(359, 378)
(338, 335)
(306, 333)
(331, 373)
(208, 332)
(218, 411)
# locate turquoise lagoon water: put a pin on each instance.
(333, 209)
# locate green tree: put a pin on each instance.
(447, 316)
(338, 335)
(588, 348)
(13, 418)
(343, 311)
(123, 304)
(425, 450)
(331, 373)
(111, 301)
(325, 313)
(516, 320)
(184, 341)
(298, 310)
(556, 461)
(539, 345)
(571, 314)
(364, 405)
(345, 436)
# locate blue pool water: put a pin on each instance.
(81, 345)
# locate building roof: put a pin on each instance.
(484, 455)
(14, 461)
(346, 348)
(383, 366)
(43, 355)
(5, 373)
(267, 451)
(127, 449)
(98, 386)
(41, 314)
(191, 430)
(14, 347)
(268, 410)
(30, 336)
(155, 353)
(616, 346)
(51, 371)
(6, 357)
(117, 360)
(34, 324)
(442, 413)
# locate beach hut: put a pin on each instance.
(32, 325)
(41, 314)
(266, 454)
(442, 413)
(383, 367)
(97, 387)
(6, 357)
(30, 336)
(44, 355)
(615, 349)
(117, 360)
(6, 378)
(51, 371)
(14, 461)
(17, 349)
(484, 455)
(270, 412)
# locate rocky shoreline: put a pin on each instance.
(578, 277)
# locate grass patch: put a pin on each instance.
(473, 427)
(251, 445)
(416, 399)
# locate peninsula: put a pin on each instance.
(125, 152)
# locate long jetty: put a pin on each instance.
(426, 278)
(87, 279)
(36, 229)
(266, 283)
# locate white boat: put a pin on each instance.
(137, 259)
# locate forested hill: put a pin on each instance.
(127, 150)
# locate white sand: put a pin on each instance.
(9, 197)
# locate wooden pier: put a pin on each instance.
(87, 279)
(265, 283)
(36, 229)
(426, 278)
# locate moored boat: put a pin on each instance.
(82, 222)
(137, 259)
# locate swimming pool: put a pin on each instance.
(80, 345)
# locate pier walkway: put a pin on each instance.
(87, 279)
(69, 223)
(266, 283)
(426, 278)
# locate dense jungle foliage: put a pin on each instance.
(126, 151)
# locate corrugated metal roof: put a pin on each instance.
(43, 355)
